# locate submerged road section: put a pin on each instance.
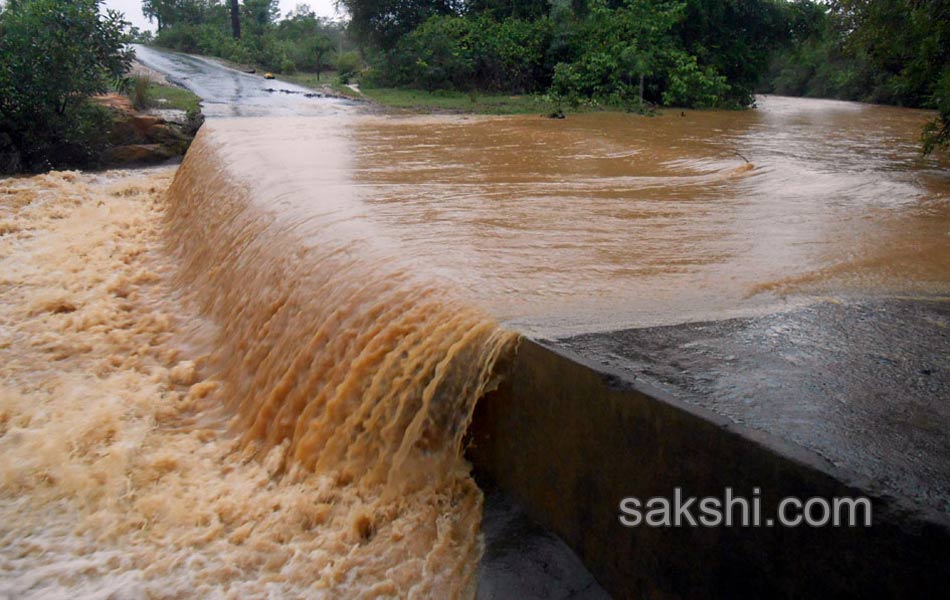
(751, 299)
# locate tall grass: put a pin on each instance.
(141, 93)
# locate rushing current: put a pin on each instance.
(252, 375)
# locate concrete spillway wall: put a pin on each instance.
(570, 440)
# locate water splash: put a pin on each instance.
(244, 409)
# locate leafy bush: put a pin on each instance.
(621, 52)
(937, 132)
(469, 52)
(348, 63)
(689, 85)
(55, 54)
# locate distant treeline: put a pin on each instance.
(701, 53)
(882, 51)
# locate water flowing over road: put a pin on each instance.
(605, 221)
(296, 326)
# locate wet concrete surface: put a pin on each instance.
(865, 384)
(228, 92)
(526, 561)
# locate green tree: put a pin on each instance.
(55, 54)
(529, 10)
(629, 54)
(308, 38)
(734, 37)
(260, 14)
(470, 53)
(382, 23)
(169, 13)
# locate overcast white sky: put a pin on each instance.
(133, 9)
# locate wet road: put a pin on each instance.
(227, 92)
(864, 384)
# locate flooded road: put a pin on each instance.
(254, 375)
(608, 220)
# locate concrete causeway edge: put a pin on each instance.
(569, 439)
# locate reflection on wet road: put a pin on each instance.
(227, 92)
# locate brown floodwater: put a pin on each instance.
(252, 375)
(608, 220)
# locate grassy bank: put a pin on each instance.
(169, 96)
(423, 101)
(146, 93)
(450, 101)
(326, 78)
(327, 82)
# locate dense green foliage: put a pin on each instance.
(689, 53)
(884, 51)
(55, 54)
(299, 42)
(464, 53)
(620, 50)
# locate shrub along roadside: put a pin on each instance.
(54, 55)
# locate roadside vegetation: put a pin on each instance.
(630, 55)
(55, 55)
(64, 65)
(461, 102)
(145, 94)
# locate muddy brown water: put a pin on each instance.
(607, 220)
(258, 381)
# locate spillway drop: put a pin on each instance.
(338, 365)
(246, 393)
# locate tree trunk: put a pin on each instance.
(235, 19)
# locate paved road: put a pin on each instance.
(227, 92)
